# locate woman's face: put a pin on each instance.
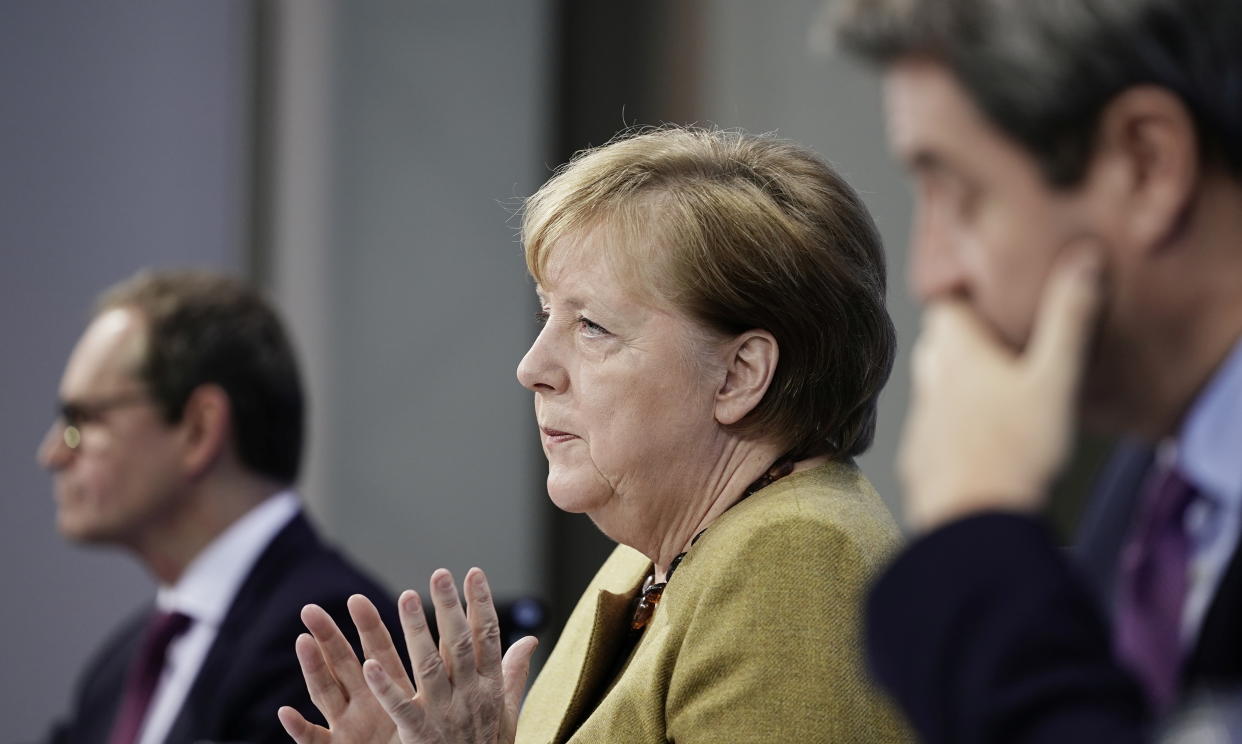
(625, 391)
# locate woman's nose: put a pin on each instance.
(540, 371)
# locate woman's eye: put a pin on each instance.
(591, 328)
(541, 318)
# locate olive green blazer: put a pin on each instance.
(756, 639)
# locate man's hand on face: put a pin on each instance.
(989, 428)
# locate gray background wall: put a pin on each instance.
(433, 130)
(370, 190)
(123, 144)
(760, 73)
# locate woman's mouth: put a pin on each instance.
(555, 436)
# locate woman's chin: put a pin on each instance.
(576, 495)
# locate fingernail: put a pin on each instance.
(444, 581)
(411, 601)
(480, 586)
(372, 669)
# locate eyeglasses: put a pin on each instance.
(76, 413)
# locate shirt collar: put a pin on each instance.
(207, 586)
(1211, 438)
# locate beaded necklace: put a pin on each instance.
(649, 597)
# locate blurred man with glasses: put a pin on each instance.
(179, 438)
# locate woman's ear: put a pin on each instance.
(1146, 165)
(749, 369)
(205, 425)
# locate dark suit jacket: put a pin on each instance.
(1215, 662)
(983, 631)
(986, 661)
(250, 669)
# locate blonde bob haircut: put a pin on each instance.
(742, 232)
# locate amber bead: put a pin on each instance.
(646, 606)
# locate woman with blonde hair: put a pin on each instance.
(714, 342)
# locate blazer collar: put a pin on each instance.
(608, 633)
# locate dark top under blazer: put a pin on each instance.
(251, 669)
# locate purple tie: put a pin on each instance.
(1152, 588)
(144, 673)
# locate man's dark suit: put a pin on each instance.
(987, 661)
(1034, 650)
(1215, 662)
(250, 669)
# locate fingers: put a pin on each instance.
(376, 642)
(400, 707)
(301, 730)
(484, 625)
(337, 652)
(456, 640)
(1067, 313)
(516, 669)
(325, 691)
(429, 673)
(516, 666)
(951, 328)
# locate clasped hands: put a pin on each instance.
(466, 692)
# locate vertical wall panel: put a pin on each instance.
(436, 118)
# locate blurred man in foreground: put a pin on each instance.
(180, 434)
(1078, 248)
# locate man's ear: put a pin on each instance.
(206, 423)
(1147, 161)
(749, 369)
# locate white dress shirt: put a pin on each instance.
(205, 592)
(1208, 455)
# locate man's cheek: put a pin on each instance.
(1007, 316)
